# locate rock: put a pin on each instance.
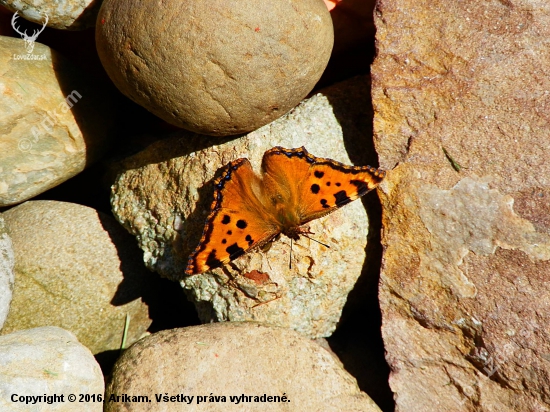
(55, 120)
(460, 99)
(221, 67)
(164, 194)
(6, 272)
(47, 361)
(235, 359)
(64, 15)
(76, 268)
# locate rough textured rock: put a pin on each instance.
(6, 272)
(47, 360)
(464, 287)
(64, 14)
(232, 359)
(54, 120)
(219, 67)
(164, 196)
(76, 268)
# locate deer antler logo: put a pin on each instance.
(29, 40)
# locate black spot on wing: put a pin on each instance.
(212, 261)
(226, 219)
(318, 174)
(328, 183)
(341, 198)
(315, 188)
(338, 184)
(224, 241)
(229, 232)
(234, 251)
(324, 203)
(241, 224)
(249, 239)
(361, 186)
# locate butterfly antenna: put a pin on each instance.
(321, 243)
(290, 259)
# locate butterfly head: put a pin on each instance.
(295, 232)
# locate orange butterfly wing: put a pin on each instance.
(237, 222)
(313, 186)
(296, 187)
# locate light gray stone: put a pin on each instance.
(47, 360)
(164, 194)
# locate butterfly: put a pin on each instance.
(295, 187)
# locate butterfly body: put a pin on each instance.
(295, 187)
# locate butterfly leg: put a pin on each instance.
(304, 231)
(266, 247)
(290, 257)
(266, 302)
(233, 266)
(268, 264)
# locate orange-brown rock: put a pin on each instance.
(460, 94)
